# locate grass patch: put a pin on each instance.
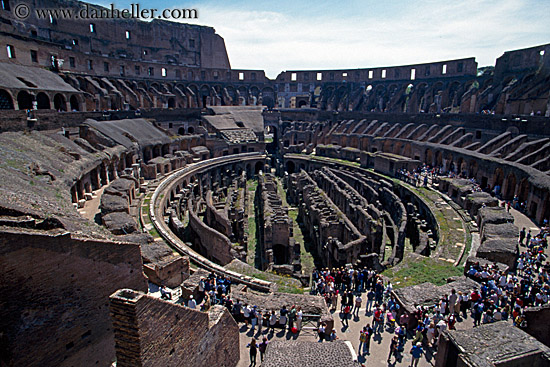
(420, 269)
(251, 254)
(252, 240)
(343, 161)
(306, 257)
(153, 232)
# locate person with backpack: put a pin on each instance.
(478, 312)
(363, 340)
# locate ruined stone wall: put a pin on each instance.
(160, 41)
(55, 297)
(274, 224)
(498, 234)
(337, 240)
(348, 201)
(152, 332)
(212, 244)
(170, 272)
(217, 219)
(514, 157)
(537, 323)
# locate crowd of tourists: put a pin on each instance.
(506, 294)
(501, 295)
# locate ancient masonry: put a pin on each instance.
(279, 251)
(126, 165)
(152, 332)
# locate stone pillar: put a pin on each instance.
(106, 175)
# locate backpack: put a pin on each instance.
(362, 337)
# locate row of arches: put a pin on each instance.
(409, 96)
(114, 94)
(40, 101)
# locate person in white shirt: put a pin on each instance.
(192, 303)
(246, 314)
(299, 316)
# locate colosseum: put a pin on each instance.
(160, 208)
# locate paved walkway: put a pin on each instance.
(521, 220)
(379, 347)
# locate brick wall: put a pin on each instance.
(55, 293)
(152, 332)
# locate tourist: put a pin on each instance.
(378, 320)
(332, 337)
(453, 301)
(246, 314)
(192, 303)
(345, 316)
(419, 336)
(404, 320)
(253, 318)
(358, 301)
(205, 306)
(370, 301)
(260, 316)
(363, 340)
(478, 312)
(253, 351)
(272, 321)
(430, 334)
(299, 316)
(283, 317)
(400, 332)
(321, 332)
(262, 347)
(416, 352)
(292, 317)
(334, 299)
(237, 311)
(369, 333)
(164, 293)
(393, 348)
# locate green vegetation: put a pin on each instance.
(416, 269)
(252, 241)
(421, 269)
(153, 232)
(305, 256)
(451, 230)
(343, 161)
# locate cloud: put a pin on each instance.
(364, 34)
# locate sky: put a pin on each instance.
(290, 35)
